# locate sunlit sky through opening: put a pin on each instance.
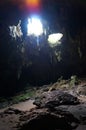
(54, 39)
(34, 27)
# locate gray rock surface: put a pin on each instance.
(55, 98)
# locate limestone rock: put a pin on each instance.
(55, 98)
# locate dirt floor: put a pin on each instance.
(8, 116)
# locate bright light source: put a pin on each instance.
(54, 39)
(34, 27)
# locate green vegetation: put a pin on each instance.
(22, 96)
(73, 81)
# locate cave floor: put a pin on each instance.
(10, 117)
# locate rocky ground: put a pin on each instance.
(58, 106)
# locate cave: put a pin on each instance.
(24, 62)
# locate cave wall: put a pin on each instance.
(42, 67)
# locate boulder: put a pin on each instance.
(55, 98)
